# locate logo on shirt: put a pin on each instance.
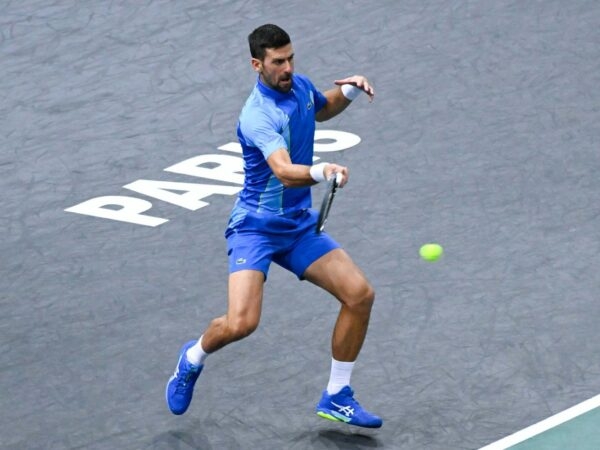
(311, 102)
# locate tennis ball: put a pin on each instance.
(431, 252)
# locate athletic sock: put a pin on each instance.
(195, 354)
(339, 377)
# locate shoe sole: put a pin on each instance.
(326, 415)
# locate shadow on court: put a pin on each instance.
(346, 440)
(175, 440)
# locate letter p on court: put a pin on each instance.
(115, 207)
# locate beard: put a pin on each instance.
(283, 84)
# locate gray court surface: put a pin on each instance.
(484, 136)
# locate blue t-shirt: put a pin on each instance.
(271, 120)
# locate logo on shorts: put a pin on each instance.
(240, 261)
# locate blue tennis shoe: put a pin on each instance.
(180, 387)
(342, 407)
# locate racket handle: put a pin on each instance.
(338, 178)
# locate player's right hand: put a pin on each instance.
(342, 173)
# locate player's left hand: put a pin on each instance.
(360, 82)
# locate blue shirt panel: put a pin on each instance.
(271, 120)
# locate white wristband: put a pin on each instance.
(317, 172)
(350, 91)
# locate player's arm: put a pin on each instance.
(342, 95)
(298, 175)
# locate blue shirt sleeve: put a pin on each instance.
(260, 131)
(320, 99)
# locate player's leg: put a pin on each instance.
(243, 311)
(339, 275)
(242, 318)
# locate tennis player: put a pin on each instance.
(272, 221)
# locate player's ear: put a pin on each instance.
(256, 64)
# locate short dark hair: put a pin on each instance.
(264, 37)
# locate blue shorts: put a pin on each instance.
(254, 240)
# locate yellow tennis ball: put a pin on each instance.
(431, 252)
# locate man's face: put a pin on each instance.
(277, 68)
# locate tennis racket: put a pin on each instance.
(332, 185)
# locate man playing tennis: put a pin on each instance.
(272, 221)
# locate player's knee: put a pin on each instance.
(242, 327)
(361, 298)
(368, 296)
